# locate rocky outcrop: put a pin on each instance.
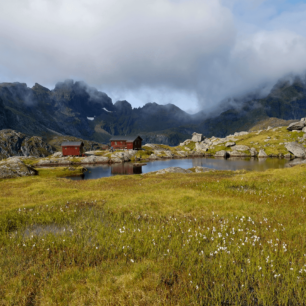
(221, 153)
(201, 147)
(13, 143)
(238, 154)
(199, 169)
(173, 170)
(230, 144)
(298, 150)
(262, 154)
(14, 167)
(240, 148)
(54, 161)
(296, 126)
(197, 137)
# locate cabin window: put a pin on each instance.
(76, 148)
(115, 142)
(65, 148)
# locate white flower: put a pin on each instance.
(132, 260)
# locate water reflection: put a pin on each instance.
(254, 164)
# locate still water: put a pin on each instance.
(94, 172)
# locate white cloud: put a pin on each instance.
(177, 51)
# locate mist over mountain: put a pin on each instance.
(76, 109)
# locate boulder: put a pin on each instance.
(296, 126)
(95, 160)
(240, 148)
(13, 168)
(173, 170)
(153, 157)
(199, 169)
(230, 144)
(241, 133)
(57, 154)
(298, 150)
(288, 155)
(238, 154)
(253, 152)
(197, 137)
(262, 154)
(56, 161)
(201, 147)
(221, 153)
(304, 129)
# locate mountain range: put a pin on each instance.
(76, 109)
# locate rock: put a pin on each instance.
(262, 154)
(201, 147)
(238, 154)
(296, 126)
(230, 144)
(296, 149)
(253, 152)
(288, 155)
(57, 154)
(221, 153)
(13, 143)
(240, 148)
(95, 160)
(173, 170)
(57, 161)
(269, 128)
(186, 148)
(241, 133)
(15, 168)
(304, 129)
(153, 157)
(303, 119)
(199, 169)
(197, 137)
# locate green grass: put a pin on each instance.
(217, 238)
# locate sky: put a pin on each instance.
(192, 53)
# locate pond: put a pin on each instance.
(254, 164)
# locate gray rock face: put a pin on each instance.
(262, 154)
(296, 126)
(296, 149)
(201, 147)
(241, 133)
(240, 148)
(197, 137)
(54, 161)
(304, 129)
(57, 154)
(230, 144)
(253, 152)
(238, 154)
(221, 153)
(173, 170)
(13, 143)
(13, 168)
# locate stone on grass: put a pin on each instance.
(13, 168)
(173, 170)
(296, 126)
(298, 150)
(262, 154)
(240, 148)
(197, 137)
(95, 160)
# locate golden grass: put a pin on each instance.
(154, 240)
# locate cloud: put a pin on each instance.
(190, 52)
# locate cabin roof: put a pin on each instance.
(125, 138)
(72, 144)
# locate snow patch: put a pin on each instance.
(107, 110)
(91, 118)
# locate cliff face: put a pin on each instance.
(73, 108)
(13, 143)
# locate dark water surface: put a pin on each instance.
(254, 164)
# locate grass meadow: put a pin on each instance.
(217, 238)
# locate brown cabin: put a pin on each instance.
(74, 148)
(126, 142)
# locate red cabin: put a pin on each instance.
(74, 148)
(126, 142)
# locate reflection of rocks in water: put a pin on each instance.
(126, 168)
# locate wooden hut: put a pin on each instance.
(126, 142)
(74, 148)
